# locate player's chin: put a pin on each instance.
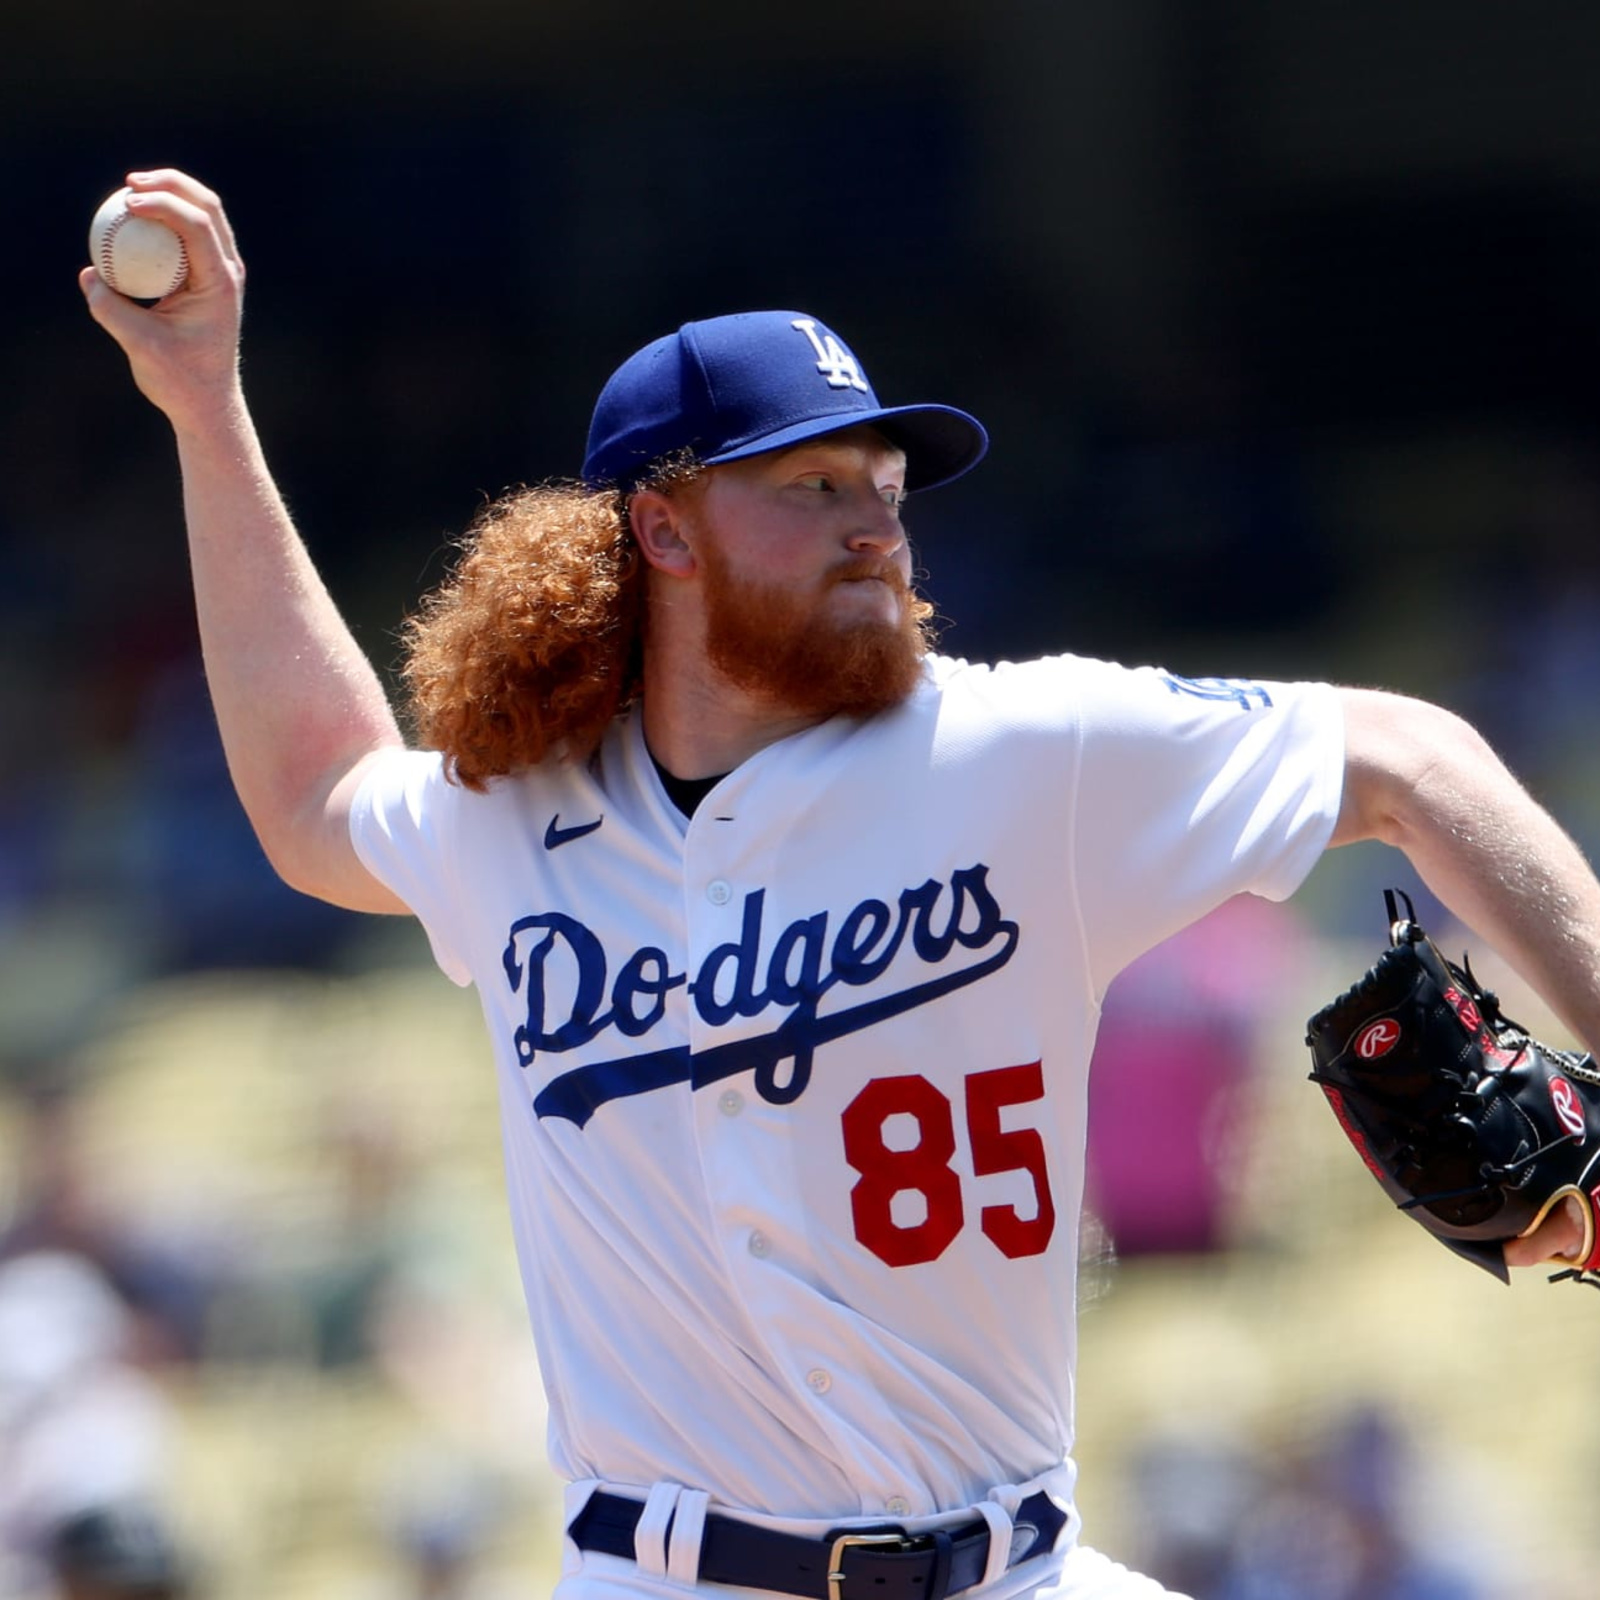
(859, 601)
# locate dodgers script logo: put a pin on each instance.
(574, 993)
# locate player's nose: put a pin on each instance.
(877, 528)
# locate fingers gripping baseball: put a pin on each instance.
(183, 350)
(169, 180)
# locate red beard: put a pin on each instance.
(770, 642)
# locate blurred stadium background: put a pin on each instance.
(1282, 318)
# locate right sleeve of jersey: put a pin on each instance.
(403, 824)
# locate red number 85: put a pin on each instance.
(925, 1166)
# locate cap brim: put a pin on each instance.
(940, 443)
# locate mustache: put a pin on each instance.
(861, 569)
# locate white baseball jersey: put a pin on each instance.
(794, 1092)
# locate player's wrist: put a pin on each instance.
(211, 415)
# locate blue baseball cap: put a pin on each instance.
(736, 386)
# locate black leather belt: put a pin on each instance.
(883, 1563)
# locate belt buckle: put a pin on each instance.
(836, 1555)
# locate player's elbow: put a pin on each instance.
(317, 859)
(282, 834)
(288, 860)
(308, 841)
(303, 833)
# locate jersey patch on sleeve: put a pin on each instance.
(1244, 693)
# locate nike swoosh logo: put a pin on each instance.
(555, 835)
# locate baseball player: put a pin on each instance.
(790, 934)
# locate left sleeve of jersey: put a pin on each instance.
(1191, 791)
(401, 827)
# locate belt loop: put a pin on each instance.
(650, 1536)
(574, 1497)
(683, 1548)
(939, 1578)
(1000, 1525)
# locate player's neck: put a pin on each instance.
(698, 725)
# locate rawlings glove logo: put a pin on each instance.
(1377, 1039)
(1568, 1111)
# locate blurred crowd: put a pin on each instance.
(1340, 1515)
(1307, 474)
(130, 1321)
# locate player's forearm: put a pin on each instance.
(296, 700)
(1420, 779)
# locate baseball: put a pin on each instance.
(142, 259)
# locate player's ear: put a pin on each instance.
(657, 522)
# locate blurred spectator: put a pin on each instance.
(1364, 1484)
(438, 1516)
(1176, 1047)
(117, 1552)
(166, 1281)
(81, 1428)
(372, 1234)
(1336, 1520)
(1193, 1494)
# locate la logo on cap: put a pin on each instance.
(834, 362)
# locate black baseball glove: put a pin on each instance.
(1472, 1126)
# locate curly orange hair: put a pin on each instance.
(533, 643)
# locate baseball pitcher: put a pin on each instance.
(790, 934)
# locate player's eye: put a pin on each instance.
(895, 499)
(816, 480)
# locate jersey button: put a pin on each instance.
(730, 1102)
(760, 1244)
(897, 1506)
(818, 1380)
(719, 891)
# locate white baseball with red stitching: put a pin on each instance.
(136, 256)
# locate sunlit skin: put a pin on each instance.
(768, 575)
(1558, 1237)
(802, 520)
